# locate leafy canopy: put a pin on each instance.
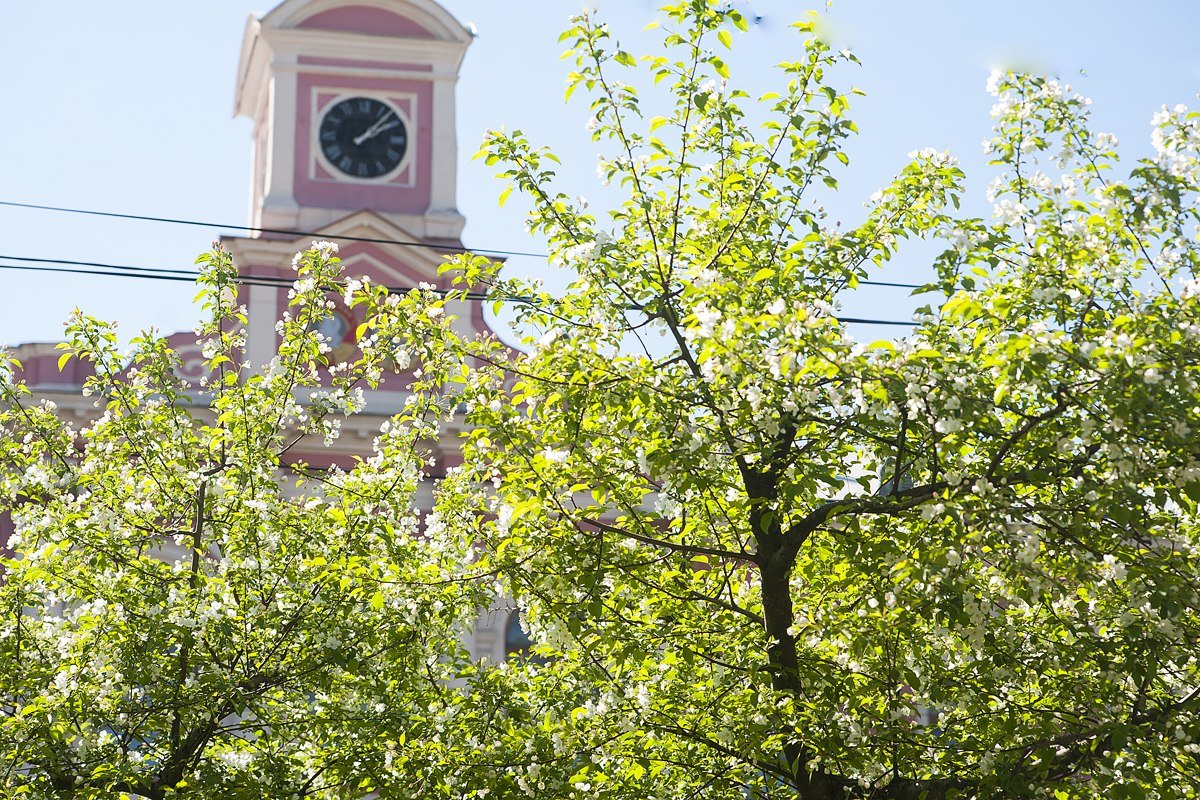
(764, 559)
(760, 558)
(191, 612)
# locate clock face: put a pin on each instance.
(338, 329)
(334, 328)
(363, 137)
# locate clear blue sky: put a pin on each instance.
(126, 106)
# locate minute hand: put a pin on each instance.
(376, 129)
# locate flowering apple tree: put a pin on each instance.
(762, 558)
(190, 612)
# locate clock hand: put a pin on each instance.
(375, 130)
(367, 134)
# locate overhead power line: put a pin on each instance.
(123, 270)
(169, 274)
(278, 231)
(69, 266)
(320, 235)
(861, 321)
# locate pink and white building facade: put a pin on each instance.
(353, 105)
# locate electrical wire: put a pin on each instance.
(320, 235)
(278, 231)
(168, 274)
(123, 270)
(68, 266)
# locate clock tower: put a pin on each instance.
(354, 139)
(353, 108)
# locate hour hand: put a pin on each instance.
(375, 130)
(367, 134)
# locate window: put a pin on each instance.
(517, 644)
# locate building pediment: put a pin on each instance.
(418, 19)
(401, 257)
(374, 30)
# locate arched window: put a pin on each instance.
(517, 643)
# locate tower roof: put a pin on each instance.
(421, 19)
(365, 26)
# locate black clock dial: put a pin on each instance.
(363, 137)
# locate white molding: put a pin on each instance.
(267, 51)
(279, 204)
(447, 224)
(246, 93)
(370, 224)
(337, 71)
(442, 56)
(443, 185)
(260, 338)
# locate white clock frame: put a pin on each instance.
(404, 174)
